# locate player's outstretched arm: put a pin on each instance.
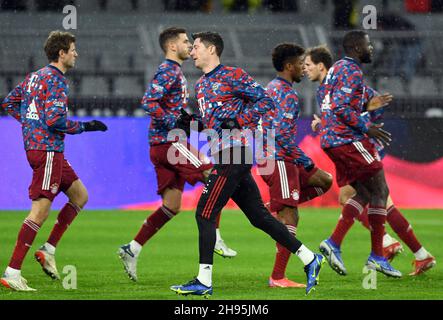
(94, 125)
(247, 88)
(157, 88)
(56, 110)
(286, 117)
(11, 104)
(343, 103)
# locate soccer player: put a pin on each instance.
(345, 138)
(40, 104)
(295, 178)
(229, 98)
(317, 62)
(165, 96)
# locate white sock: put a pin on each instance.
(50, 248)
(135, 247)
(421, 254)
(218, 235)
(205, 274)
(305, 255)
(11, 272)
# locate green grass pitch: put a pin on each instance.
(171, 257)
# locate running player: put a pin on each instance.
(345, 138)
(165, 96)
(317, 62)
(230, 99)
(40, 104)
(297, 179)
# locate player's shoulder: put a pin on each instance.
(347, 67)
(50, 76)
(273, 84)
(199, 80)
(236, 72)
(168, 68)
(281, 86)
(231, 73)
(350, 64)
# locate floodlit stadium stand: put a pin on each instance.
(119, 52)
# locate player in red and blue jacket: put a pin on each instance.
(230, 93)
(166, 94)
(229, 99)
(283, 119)
(317, 62)
(345, 137)
(165, 101)
(40, 104)
(294, 178)
(342, 105)
(367, 117)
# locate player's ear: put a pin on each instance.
(171, 46)
(212, 49)
(322, 66)
(288, 66)
(61, 53)
(358, 47)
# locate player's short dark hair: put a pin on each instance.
(320, 54)
(169, 34)
(352, 39)
(57, 40)
(285, 52)
(211, 38)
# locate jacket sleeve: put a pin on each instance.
(258, 101)
(56, 110)
(286, 124)
(156, 90)
(11, 104)
(345, 101)
(376, 115)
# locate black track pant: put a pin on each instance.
(235, 181)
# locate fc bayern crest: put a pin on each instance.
(295, 195)
(54, 188)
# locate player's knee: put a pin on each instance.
(384, 192)
(174, 207)
(327, 181)
(288, 216)
(80, 198)
(78, 194)
(172, 201)
(84, 198)
(343, 198)
(380, 196)
(38, 215)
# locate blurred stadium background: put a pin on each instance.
(119, 53)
